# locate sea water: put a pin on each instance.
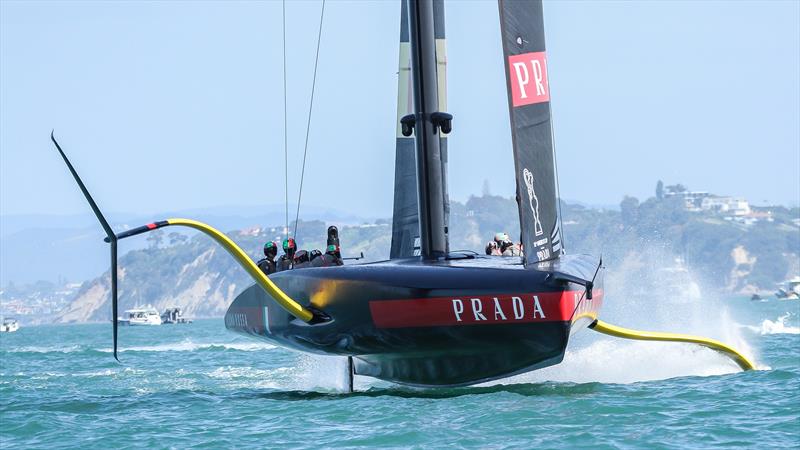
(199, 385)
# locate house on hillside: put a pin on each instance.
(727, 206)
(692, 199)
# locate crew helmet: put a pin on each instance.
(501, 237)
(333, 236)
(301, 257)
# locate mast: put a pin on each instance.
(405, 214)
(427, 122)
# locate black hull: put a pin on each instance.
(444, 323)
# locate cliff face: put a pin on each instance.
(91, 299)
(202, 286)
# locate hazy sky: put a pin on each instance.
(173, 105)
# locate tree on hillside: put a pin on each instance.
(176, 238)
(660, 190)
(629, 208)
(676, 188)
(155, 237)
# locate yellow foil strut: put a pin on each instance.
(626, 333)
(291, 306)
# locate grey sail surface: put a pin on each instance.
(405, 217)
(522, 30)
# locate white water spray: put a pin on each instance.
(651, 291)
(779, 326)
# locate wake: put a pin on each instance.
(779, 326)
(189, 346)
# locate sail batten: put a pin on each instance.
(525, 60)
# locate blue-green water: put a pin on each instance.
(199, 385)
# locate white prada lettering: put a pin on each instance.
(537, 76)
(523, 78)
(519, 308)
(498, 311)
(537, 308)
(458, 308)
(477, 307)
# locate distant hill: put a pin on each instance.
(57, 247)
(196, 275)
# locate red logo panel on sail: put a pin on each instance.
(528, 77)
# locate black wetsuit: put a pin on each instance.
(301, 260)
(283, 263)
(326, 260)
(266, 265)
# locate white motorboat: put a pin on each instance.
(141, 316)
(791, 290)
(9, 326)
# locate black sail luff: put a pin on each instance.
(405, 221)
(522, 30)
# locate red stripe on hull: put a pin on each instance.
(475, 310)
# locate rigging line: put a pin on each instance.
(308, 124)
(285, 129)
(558, 186)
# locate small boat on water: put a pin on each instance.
(9, 325)
(141, 316)
(756, 298)
(174, 315)
(790, 290)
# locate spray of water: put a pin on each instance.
(651, 290)
(779, 326)
(320, 373)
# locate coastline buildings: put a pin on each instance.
(38, 302)
(729, 208)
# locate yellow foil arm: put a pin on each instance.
(291, 306)
(625, 333)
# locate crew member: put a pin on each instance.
(504, 246)
(287, 258)
(333, 250)
(333, 254)
(301, 259)
(491, 249)
(267, 264)
(512, 249)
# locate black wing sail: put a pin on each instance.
(522, 29)
(405, 220)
